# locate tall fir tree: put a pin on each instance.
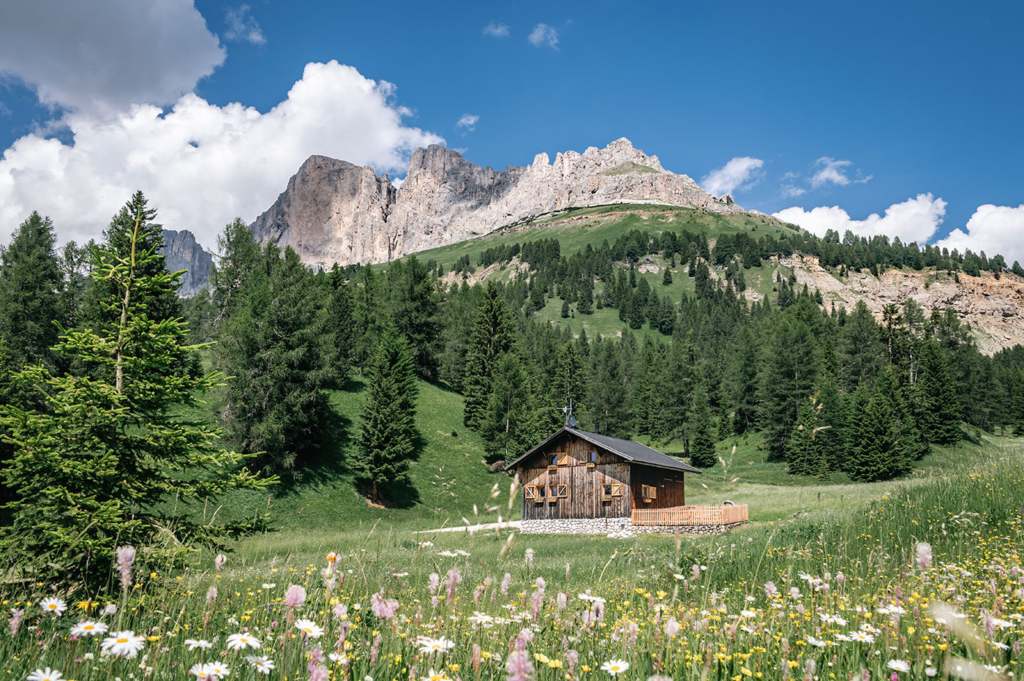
(386, 443)
(119, 238)
(509, 426)
(608, 397)
(238, 260)
(935, 396)
(31, 287)
(97, 467)
(806, 455)
(272, 348)
(493, 335)
(702, 443)
(569, 384)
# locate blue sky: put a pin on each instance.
(883, 102)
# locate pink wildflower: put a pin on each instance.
(295, 596)
(211, 595)
(672, 626)
(505, 582)
(924, 555)
(219, 561)
(15, 622)
(384, 608)
(518, 666)
(125, 559)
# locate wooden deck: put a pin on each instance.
(692, 515)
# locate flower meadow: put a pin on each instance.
(927, 581)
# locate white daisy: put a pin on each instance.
(261, 664)
(434, 645)
(54, 606)
(45, 675)
(615, 667)
(899, 666)
(123, 644)
(242, 641)
(309, 628)
(88, 628)
(193, 643)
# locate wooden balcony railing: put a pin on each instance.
(691, 515)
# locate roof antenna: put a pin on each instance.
(570, 420)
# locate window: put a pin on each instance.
(535, 492)
(613, 490)
(556, 492)
(591, 459)
(648, 492)
(553, 460)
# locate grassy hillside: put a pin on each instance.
(450, 477)
(445, 480)
(577, 227)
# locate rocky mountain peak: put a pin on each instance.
(181, 251)
(335, 212)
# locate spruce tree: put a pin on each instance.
(97, 468)
(119, 238)
(806, 455)
(935, 394)
(872, 437)
(509, 425)
(492, 336)
(607, 401)
(272, 348)
(702, 443)
(31, 285)
(237, 262)
(569, 384)
(666, 280)
(565, 309)
(386, 442)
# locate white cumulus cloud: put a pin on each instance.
(913, 220)
(496, 29)
(543, 35)
(101, 56)
(739, 173)
(202, 165)
(993, 229)
(833, 171)
(242, 26)
(467, 122)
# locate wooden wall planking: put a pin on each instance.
(585, 497)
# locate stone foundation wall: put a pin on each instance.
(618, 526)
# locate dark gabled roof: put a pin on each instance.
(633, 452)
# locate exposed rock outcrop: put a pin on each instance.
(336, 212)
(182, 252)
(993, 307)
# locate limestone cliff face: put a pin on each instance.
(335, 212)
(993, 307)
(182, 252)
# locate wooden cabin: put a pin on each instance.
(575, 474)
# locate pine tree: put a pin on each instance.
(565, 309)
(935, 394)
(872, 437)
(745, 382)
(608, 409)
(272, 348)
(96, 468)
(414, 309)
(585, 302)
(805, 452)
(31, 284)
(569, 384)
(493, 335)
(119, 237)
(509, 424)
(238, 261)
(386, 442)
(702, 443)
(666, 280)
